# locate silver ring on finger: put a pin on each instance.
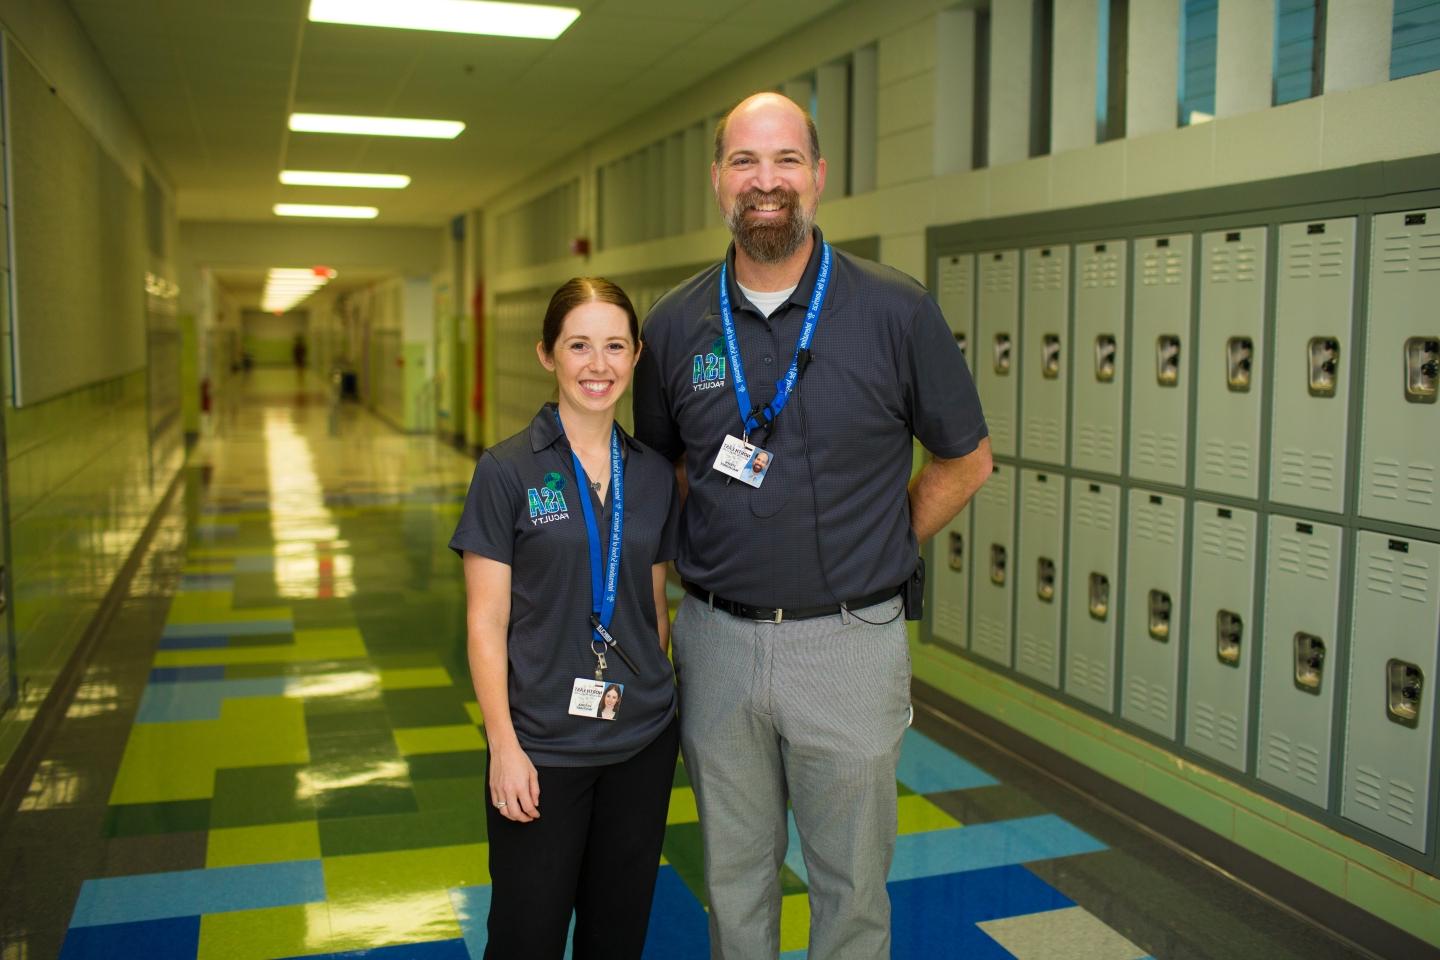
(501, 805)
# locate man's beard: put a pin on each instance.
(769, 241)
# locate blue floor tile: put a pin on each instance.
(429, 950)
(472, 907)
(196, 582)
(988, 845)
(937, 916)
(193, 643)
(183, 674)
(200, 700)
(154, 896)
(927, 767)
(174, 938)
(233, 628)
(679, 926)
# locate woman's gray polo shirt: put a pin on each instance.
(521, 510)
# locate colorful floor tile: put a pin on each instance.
(278, 754)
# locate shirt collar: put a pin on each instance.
(800, 295)
(545, 431)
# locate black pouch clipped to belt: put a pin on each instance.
(913, 592)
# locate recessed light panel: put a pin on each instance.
(529, 20)
(322, 178)
(325, 210)
(375, 126)
(287, 286)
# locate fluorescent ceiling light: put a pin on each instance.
(287, 286)
(321, 178)
(325, 210)
(452, 16)
(375, 126)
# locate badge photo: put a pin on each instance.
(598, 699)
(743, 461)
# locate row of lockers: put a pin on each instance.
(1044, 331)
(1038, 550)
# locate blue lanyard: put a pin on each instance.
(603, 591)
(754, 417)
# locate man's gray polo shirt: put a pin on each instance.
(884, 367)
(522, 511)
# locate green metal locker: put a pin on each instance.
(1390, 718)
(1099, 369)
(1092, 589)
(1221, 653)
(1159, 384)
(1045, 329)
(1313, 316)
(1400, 432)
(1230, 342)
(991, 573)
(996, 353)
(955, 293)
(1153, 633)
(1302, 637)
(1039, 568)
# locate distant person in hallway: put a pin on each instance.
(566, 609)
(793, 661)
(298, 352)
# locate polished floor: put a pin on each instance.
(276, 753)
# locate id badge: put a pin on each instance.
(743, 461)
(597, 699)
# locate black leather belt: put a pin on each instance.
(780, 614)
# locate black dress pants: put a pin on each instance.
(595, 849)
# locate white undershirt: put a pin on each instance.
(767, 301)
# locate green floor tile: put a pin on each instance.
(254, 796)
(459, 793)
(340, 716)
(178, 816)
(367, 800)
(447, 766)
(401, 831)
(262, 640)
(423, 708)
(684, 850)
(790, 882)
(682, 777)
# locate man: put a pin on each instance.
(793, 662)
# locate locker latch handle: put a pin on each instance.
(957, 552)
(1045, 579)
(1160, 606)
(1099, 596)
(1422, 369)
(1105, 351)
(1239, 357)
(1002, 354)
(1229, 630)
(1324, 366)
(1404, 686)
(1167, 360)
(1309, 662)
(1050, 356)
(997, 564)
(963, 342)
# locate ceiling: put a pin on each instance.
(212, 82)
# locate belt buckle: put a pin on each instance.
(779, 615)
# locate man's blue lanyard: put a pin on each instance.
(603, 591)
(751, 416)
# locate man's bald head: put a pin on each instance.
(767, 101)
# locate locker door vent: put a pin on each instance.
(1306, 557)
(1229, 732)
(1395, 799)
(1157, 526)
(1390, 479)
(1202, 723)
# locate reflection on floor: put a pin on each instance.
(278, 753)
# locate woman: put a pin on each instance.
(566, 597)
(610, 702)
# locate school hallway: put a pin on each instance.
(275, 752)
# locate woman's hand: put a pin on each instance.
(514, 785)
